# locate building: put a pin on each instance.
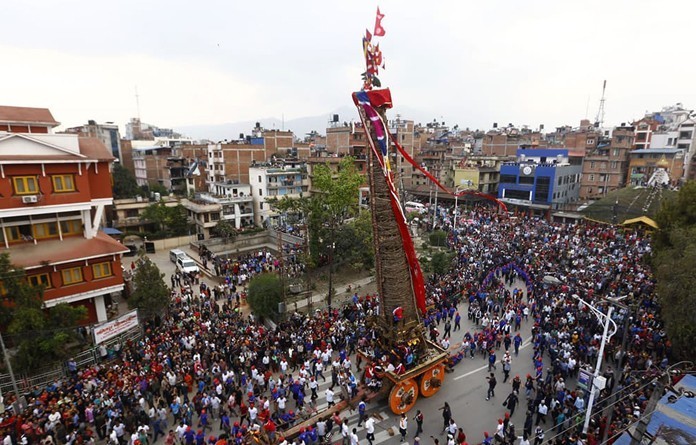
(231, 201)
(644, 162)
(506, 141)
(150, 164)
(541, 179)
(276, 181)
(127, 214)
(108, 133)
(605, 167)
(480, 173)
(55, 188)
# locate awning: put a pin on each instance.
(641, 220)
(111, 231)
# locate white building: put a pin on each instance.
(275, 181)
(230, 201)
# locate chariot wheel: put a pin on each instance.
(431, 380)
(403, 396)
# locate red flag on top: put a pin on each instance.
(379, 31)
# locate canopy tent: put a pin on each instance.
(641, 220)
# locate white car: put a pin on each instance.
(186, 265)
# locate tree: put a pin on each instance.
(125, 185)
(264, 294)
(225, 230)
(170, 220)
(674, 260)
(438, 238)
(41, 335)
(150, 294)
(440, 263)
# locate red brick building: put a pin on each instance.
(54, 189)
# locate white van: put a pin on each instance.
(175, 254)
(186, 265)
(413, 206)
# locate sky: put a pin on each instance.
(471, 63)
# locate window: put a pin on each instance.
(591, 178)
(615, 152)
(45, 230)
(72, 227)
(214, 216)
(101, 270)
(260, 192)
(72, 276)
(25, 185)
(63, 183)
(40, 280)
(260, 206)
(12, 233)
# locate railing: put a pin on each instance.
(58, 371)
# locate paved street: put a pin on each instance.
(464, 389)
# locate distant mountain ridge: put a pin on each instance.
(299, 126)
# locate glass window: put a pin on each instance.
(25, 185)
(72, 276)
(40, 280)
(63, 183)
(101, 270)
(45, 230)
(71, 227)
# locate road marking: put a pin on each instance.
(524, 345)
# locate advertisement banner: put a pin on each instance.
(112, 328)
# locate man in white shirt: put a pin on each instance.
(329, 397)
(370, 429)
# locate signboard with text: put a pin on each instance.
(116, 327)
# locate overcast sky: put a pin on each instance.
(466, 62)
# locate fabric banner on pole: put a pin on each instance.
(116, 327)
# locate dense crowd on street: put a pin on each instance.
(204, 373)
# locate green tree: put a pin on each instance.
(225, 230)
(438, 238)
(171, 220)
(150, 294)
(41, 335)
(264, 294)
(125, 185)
(674, 260)
(440, 263)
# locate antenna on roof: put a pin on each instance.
(599, 119)
(137, 101)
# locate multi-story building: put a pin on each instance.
(541, 179)
(687, 141)
(230, 201)
(150, 163)
(480, 173)
(127, 214)
(54, 189)
(108, 133)
(605, 167)
(269, 181)
(644, 162)
(506, 141)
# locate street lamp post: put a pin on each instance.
(606, 320)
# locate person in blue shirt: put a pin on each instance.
(457, 321)
(517, 341)
(491, 360)
(362, 408)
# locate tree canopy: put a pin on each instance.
(173, 221)
(674, 261)
(150, 294)
(264, 294)
(225, 230)
(41, 335)
(125, 185)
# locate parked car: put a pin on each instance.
(186, 265)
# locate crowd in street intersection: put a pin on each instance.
(205, 373)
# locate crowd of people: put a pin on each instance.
(204, 364)
(500, 267)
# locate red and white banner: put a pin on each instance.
(112, 328)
